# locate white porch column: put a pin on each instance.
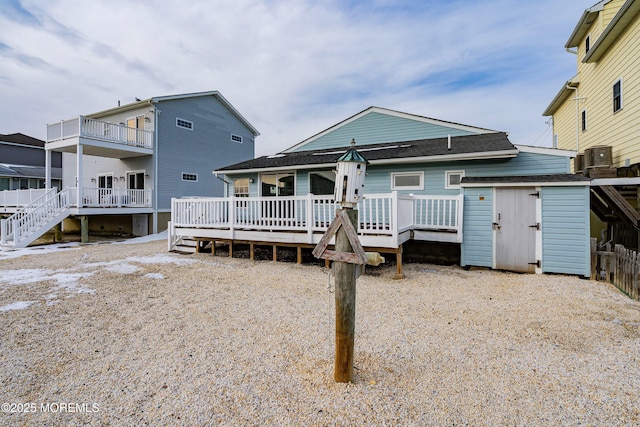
(79, 174)
(47, 168)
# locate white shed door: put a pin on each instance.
(515, 229)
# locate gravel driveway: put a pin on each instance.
(132, 335)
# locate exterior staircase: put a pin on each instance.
(33, 220)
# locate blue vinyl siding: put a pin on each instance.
(565, 230)
(375, 128)
(379, 177)
(200, 151)
(477, 232)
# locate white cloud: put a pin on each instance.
(292, 68)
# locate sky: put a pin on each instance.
(292, 68)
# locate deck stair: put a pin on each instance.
(185, 246)
(610, 205)
(35, 219)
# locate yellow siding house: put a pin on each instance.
(600, 105)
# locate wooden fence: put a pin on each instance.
(620, 266)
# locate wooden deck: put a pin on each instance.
(386, 221)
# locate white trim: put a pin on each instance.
(393, 113)
(619, 80)
(189, 180)
(526, 184)
(615, 181)
(546, 150)
(410, 187)
(447, 185)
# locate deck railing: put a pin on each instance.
(438, 212)
(113, 197)
(379, 214)
(19, 198)
(30, 218)
(86, 127)
(91, 197)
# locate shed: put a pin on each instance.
(534, 224)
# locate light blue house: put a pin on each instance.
(427, 180)
(122, 166)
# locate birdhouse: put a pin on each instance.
(350, 177)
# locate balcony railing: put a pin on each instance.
(85, 127)
(379, 214)
(91, 197)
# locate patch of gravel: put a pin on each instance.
(143, 337)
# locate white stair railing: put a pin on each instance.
(34, 217)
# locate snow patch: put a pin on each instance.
(122, 268)
(154, 275)
(162, 259)
(17, 305)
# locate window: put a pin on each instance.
(583, 116)
(190, 177)
(135, 180)
(185, 124)
(241, 187)
(105, 181)
(277, 184)
(617, 96)
(453, 179)
(236, 138)
(407, 181)
(587, 44)
(322, 183)
(134, 126)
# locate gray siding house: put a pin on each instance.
(122, 166)
(427, 180)
(22, 163)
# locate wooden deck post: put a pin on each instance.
(345, 296)
(299, 255)
(275, 252)
(84, 229)
(399, 274)
(252, 251)
(230, 248)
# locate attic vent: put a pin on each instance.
(236, 138)
(185, 124)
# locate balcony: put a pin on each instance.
(99, 138)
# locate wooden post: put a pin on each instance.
(84, 229)
(345, 294)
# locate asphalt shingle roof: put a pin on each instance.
(460, 145)
(19, 138)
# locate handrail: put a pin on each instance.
(90, 128)
(379, 214)
(23, 223)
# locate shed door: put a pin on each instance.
(515, 219)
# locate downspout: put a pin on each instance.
(577, 99)
(156, 114)
(226, 183)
